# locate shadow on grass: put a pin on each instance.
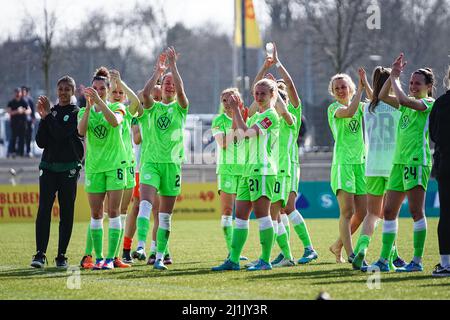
(321, 274)
(25, 273)
(394, 279)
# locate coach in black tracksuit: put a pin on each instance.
(59, 169)
(440, 134)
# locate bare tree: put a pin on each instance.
(339, 29)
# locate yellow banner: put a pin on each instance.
(20, 203)
(252, 35)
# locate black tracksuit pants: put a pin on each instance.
(50, 183)
(444, 199)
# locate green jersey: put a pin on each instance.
(162, 129)
(104, 143)
(127, 137)
(297, 112)
(287, 140)
(263, 149)
(230, 161)
(413, 145)
(348, 136)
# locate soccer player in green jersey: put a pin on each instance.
(289, 211)
(118, 94)
(347, 171)
(412, 161)
(162, 127)
(381, 120)
(258, 181)
(106, 162)
(230, 162)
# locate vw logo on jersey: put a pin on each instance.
(354, 126)
(66, 118)
(404, 122)
(100, 131)
(163, 122)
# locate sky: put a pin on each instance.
(191, 12)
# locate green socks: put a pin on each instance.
(283, 243)
(300, 228)
(113, 236)
(303, 234)
(143, 225)
(122, 231)
(89, 245)
(285, 221)
(162, 237)
(97, 237)
(266, 237)
(227, 227)
(143, 220)
(362, 244)
(420, 235)
(388, 240)
(240, 235)
(390, 229)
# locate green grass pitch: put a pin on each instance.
(196, 246)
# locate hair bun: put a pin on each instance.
(102, 72)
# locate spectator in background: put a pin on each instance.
(79, 94)
(31, 119)
(18, 111)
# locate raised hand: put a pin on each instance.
(115, 77)
(233, 102)
(161, 64)
(275, 54)
(43, 106)
(398, 66)
(268, 62)
(270, 77)
(172, 55)
(92, 94)
(362, 78)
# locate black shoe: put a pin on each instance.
(61, 261)
(440, 271)
(126, 257)
(351, 258)
(168, 259)
(39, 260)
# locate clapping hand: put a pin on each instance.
(172, 55)
(43, 107)
(398, 66)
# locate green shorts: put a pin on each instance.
(165, 177)
(377, 186)
(281, 190)
(295, 177)
(406, 177)
(227, 183)
(255, 187)
(106, 181)
(350, 178)
(131, 181)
